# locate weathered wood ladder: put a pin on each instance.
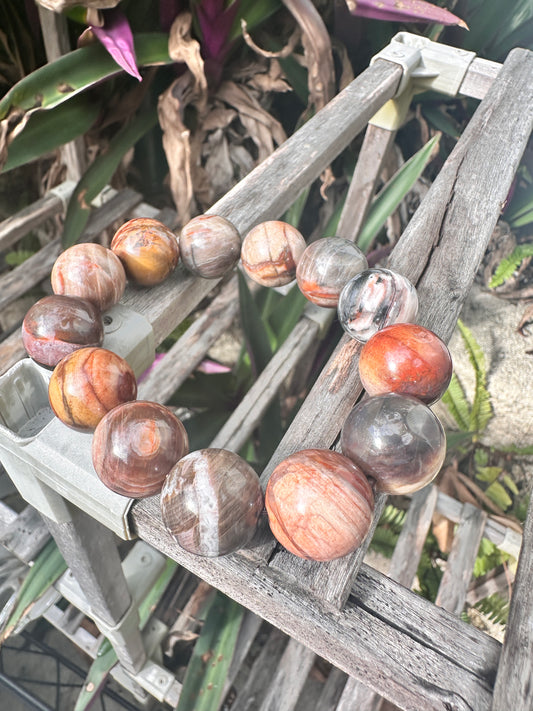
(389, 641)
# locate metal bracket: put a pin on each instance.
(426, 65)
(47, 467)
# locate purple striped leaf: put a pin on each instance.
(117, 38)
(403, 11)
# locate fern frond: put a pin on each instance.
(384, 541)
(495, 607)
(508, 265)
(481, 411)
(393, 517)
(455, 400)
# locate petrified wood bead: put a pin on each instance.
(91, 272)
(271, 251)
(406, 359)
(396, 440)
(326, 266)
(88, 383)
(148, 250)
(58, 325)
(319, 504)
(135, 445)
(211, 502)
(210, 246)
(373, 299)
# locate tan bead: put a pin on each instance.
(90, 272)
(210, 246)
(148, 250)
(271, 251)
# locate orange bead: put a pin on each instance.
(148, 250)
(319, 504)
(406, 359)
(88, 383)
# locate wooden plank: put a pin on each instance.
(514, 682)
(11, 351)
(26, 535)
(290, 677)
(273, 186)
(406, 556)
(15, 227)
(479, 78)
(387, 656)
(356, 697)
(376, 145)
(458, 573)
(19, 280)
(332, 690)
(248, 632)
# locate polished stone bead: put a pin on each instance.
(210, 246)
(326, 266)
(58, 325)
(88, 383)
(396, 440)
(319, 504)
(135, 445)
(91, 272)
(271, 251)
(211, 502)
(406, 359)
(373, 299)
(148, 250)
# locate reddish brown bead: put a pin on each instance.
(210, 246)
(319, 504)
(87, 384)
(408, 360)
(270, 253)
(211, 502)
(58, 325)
(148, 250)
(91, 272)
(135, 445)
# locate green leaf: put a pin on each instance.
(255, 334)
(58, 81)
(203, 427)
(510, 264)
(213, 391)
(497, 493)
(393, 193)
(481, 411)
(46, 569)
(47, 130)
(455, 400)
(99, 174)
(510, 484)
(254, 12)
(488, 474)
(287, 314)
(207, 670)
(441, 120)
(106, 657)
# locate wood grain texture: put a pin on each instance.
(458, 572)
(289, 678)
(273, 186)
(15, 227)
(385, 654)
(479, 77)
(514, 683)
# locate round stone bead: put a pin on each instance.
(406, 359)
(373, 299)
(319, 504)
(91, 272)
(210, 246)
(211, 502)
(396, 440)
(135, 445)
(88, 383)
(326, 266)
(271, 251)
(148, 250)
(58, 325)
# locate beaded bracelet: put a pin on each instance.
(319, 502)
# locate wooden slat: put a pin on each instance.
(458, 572)
(331, 693)
(479, 78)
(273, 186)
(15, 227)
(413, 671)
(514, 682)
(289, 679)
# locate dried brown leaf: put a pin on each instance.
(60, 5)
(282, 53)
(526, 320)
(272, 80)
(183, 48)
(218, 117)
